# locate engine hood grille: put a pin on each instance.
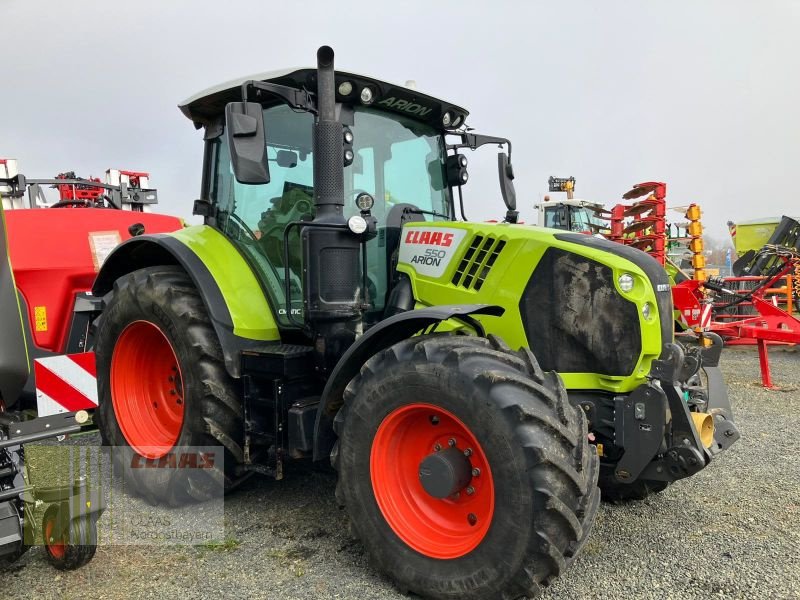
(477, 262)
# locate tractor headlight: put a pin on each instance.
(625, 282)
(357, 224)
(447, 118)
(345, 88)
(365, 202)
(367, 96)
(647, 311)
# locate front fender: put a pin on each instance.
(235, 301)
(386, 333)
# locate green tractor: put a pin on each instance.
(331, 307)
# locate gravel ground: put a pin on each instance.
(732, 531)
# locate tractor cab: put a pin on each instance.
(397, 167)
(575, 215)
(572, 214)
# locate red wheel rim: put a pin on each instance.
(54, 546)
(443, 528)
(147, 389)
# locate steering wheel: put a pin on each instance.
(242, 226)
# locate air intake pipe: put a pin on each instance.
(331, 252)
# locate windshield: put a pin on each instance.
(397, 161)
(581, 219)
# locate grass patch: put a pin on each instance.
(223, 546)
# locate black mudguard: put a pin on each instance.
(386, 333)
(13, 352)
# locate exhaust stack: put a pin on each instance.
(331, 252)
(328, 144)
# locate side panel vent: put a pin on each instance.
(477, 262)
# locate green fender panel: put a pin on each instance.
(236, 304)
(244, 296)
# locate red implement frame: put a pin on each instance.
(782, 294)
(81, 191)
(771, 325)
(643, 223)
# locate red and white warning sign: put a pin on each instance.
(65, 383)
(705, 317)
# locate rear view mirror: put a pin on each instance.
(563, 216)
(506, 172)
(247, 141)
(436, 174)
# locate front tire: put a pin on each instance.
(526, 510)
(163, 387)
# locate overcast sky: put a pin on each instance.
(703, 95)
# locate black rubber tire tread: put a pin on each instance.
(613, 491)
(79, 535)
(213, 416)
(544, 470)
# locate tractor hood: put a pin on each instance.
(561, 293)
(205, 107)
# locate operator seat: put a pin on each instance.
(294, 205)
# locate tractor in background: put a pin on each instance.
(572, 214)
(754, 264)
(332, 308)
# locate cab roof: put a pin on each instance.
(207, 106)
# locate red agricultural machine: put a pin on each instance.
(51, 254)
(55, 250)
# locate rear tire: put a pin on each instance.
(612, 490)
(146, 303)
(539, 466)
